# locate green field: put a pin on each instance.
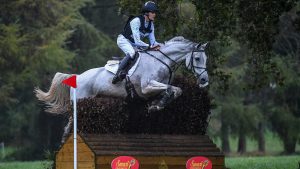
(26, 165)
(273, 145)
(279, 162)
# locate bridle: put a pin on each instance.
(193, 67)
(177, 65)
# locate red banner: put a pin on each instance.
(199, 163)
(125, 162)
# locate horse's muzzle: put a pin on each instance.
(203, 85)
(202, 82)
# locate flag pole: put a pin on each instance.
(71, 81)
(75, 127)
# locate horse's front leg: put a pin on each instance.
(169, 93)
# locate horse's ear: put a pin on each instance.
(204, 45)
(198, 45)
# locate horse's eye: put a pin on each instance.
(197, 59)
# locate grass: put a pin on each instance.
(26, 165)
(7, 153)
(279, 162)
(274, 145)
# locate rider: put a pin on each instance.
(135, 29)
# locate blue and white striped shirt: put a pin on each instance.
(135, 25)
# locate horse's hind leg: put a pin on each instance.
(67, 130)
(169, 94)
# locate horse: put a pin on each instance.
(152, 76)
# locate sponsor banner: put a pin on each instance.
(124, 162)
(199, 163)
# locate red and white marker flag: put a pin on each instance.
(71, 81)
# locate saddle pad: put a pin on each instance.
(113, 65)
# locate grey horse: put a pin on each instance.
(152, 76)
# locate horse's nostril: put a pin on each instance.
(203, 80)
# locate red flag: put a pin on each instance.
(71, 81)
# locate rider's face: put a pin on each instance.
(152, 15)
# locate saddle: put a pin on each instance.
(112, 65)
(116, 58)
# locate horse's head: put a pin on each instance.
(196, 61)
(194, 55)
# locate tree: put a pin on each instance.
(35, 43)
(104, 15)
(284, 114)
(284, 106)
(93, 48)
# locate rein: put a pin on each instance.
(174, 69)
(169, 68)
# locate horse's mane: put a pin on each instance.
(177, 39)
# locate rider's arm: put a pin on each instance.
(152, 37)
(135, 26)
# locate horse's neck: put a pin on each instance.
(175, 54)
(178, 57)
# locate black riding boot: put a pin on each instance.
(122, 70)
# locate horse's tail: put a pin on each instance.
(58, 96)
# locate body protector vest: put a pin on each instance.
(127, 32)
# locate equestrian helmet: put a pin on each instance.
(149, 6)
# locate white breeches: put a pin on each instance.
(125, 46)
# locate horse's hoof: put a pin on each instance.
(154, 108)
